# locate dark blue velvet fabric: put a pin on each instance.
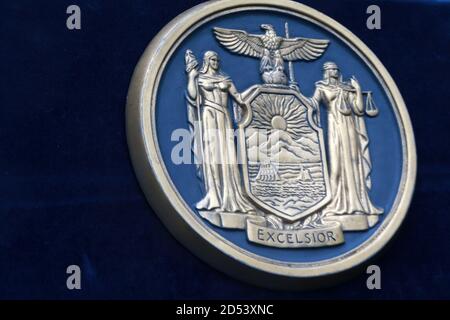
(68, 194)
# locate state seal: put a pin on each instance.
(270, 141)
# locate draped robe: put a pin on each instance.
(219, 168)
(348, 153)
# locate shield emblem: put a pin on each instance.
(282, 153)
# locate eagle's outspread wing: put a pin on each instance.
(240, 42)
(302, 48)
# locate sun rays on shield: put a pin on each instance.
(280, 113)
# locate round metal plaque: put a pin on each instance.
(271, 141)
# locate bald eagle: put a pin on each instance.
(271, 49)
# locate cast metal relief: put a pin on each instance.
(274, 164)
(281, 180)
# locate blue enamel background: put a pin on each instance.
(385, 142)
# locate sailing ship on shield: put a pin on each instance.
(281, 181)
